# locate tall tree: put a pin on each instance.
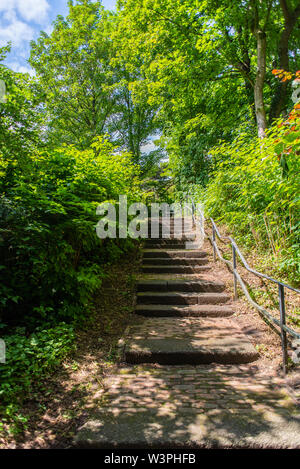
(131, 124)
(86, 88)
(73, 69)
(21, 123)
(291, 13)
(214, 39)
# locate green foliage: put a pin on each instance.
(21, 123)
(51, 255)
(198, 62)
(84, 87)
(28, 357)
(73, 72)
(52, 261)
(250, 192)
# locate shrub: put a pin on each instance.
(28, 358)
(52, 259)
(254, 189)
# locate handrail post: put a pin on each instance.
(214, 240)
(234, 271)
(193, 214)
(282, 323)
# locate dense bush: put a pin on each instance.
(51, 257)
(254, 190)
(29, 357)
(52, 261)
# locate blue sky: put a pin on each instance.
(22, 20)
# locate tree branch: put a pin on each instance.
(285, 10)
(268, 15)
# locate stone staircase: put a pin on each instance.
(190, 347)
(189, 335)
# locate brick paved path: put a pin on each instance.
(191, 381)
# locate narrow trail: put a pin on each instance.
(188, 378)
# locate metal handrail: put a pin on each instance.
(237, 278)
(246, 265)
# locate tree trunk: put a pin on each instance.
(280, 96)
(259, 83)
(245, 66)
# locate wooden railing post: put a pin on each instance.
(214, 241)
(282, 323)
(234, 271)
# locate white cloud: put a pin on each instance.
(16, 67)
(15, 18)
(15, 31)
(29, 10)
(33, 10)
(20, 21)
(6, 6)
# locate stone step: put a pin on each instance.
(172, 224)
(176, 341)
(175, 269)
(212, 311)
(174, 244)
(187, 226)
(207, 275)
(152, 253)
(177, 261)
(180, 286)
(172, 219)
(152, 234)
(170, 298)
(167, 241)
(193, 245)
(173, 239)
(185, 235)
